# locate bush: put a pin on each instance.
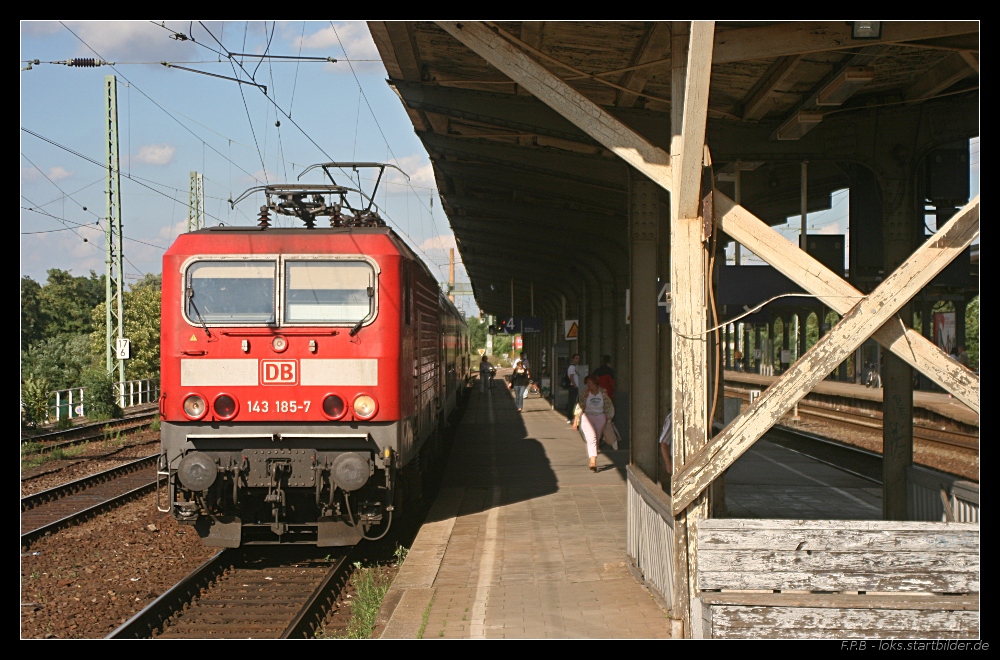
(99, 401)
(35, 401)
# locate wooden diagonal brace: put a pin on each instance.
(571, 104)
(838, 295)
(859, 323)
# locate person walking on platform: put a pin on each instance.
(593, 410)
(519, 383)
(606, 376)
(574, 386)
(666, 439)
(485, 374)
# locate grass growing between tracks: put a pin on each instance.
(370, 584)
(32, 457)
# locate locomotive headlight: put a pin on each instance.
(194, 406)
(279, 344)
(224, 406)
(365, 406)
(334, 406)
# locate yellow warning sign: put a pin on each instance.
(572, 329)
(482, 351)
(194, 338)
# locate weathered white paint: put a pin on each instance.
(856, 326)
(581, 111)
(218, 373)
(361, 373)
(838, 295)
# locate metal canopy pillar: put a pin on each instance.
(644, 220)
(114, 317)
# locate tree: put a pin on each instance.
(31, 312)
(141, 308)
(58, 361)
(477, 333)
(66, 302)
(972, 333)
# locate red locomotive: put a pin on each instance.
(304, 372)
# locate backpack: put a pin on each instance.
(565, 382)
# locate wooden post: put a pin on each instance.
(859, 323)
(830, 289)
(688, 280)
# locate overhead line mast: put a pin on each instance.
(116, 349)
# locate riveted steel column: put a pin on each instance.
(644, 219)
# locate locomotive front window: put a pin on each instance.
(328, 291)
(230, 292)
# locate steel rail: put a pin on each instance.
(33, 535)
(29, 502)
(124, 426)
(52, 435)
(153, 617)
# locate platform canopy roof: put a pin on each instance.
(531, 197)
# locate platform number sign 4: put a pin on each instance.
(123, 349)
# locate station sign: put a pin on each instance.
(513, 325)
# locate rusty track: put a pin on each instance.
(77, 435)
(70, 504)
(255, 593)
(965, 441)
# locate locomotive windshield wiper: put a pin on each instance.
(190, 294)
(357, 326)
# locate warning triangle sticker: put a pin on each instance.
(194, 338)
(573, 331)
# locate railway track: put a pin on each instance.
(923, 432)
(69, 504)
(46, 442)
(247, 593)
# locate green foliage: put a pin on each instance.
(370, 586)
(65, 302)
(477, 332)
(100, 402)
(31, 312)
(972, 333)
(155, 424)
(59, 360)
(35, 401)
(141, 308)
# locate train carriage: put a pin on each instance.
(304, 372)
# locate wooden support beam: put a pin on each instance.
(760, 99)
(857, 325)
(781, 39)
(654, 46)
(688, 310)
(947, 72)
(838, 295)
(581, 111)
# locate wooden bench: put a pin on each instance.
(837, 579)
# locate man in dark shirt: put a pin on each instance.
(606, 376)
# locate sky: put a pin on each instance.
(172, 121)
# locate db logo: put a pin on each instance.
(278, 372)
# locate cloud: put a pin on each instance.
(40, 27)
(441, 242)
(155, 154)
(136, 40)
(355, 42)
(56, 173)
(418, 168)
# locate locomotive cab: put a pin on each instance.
(299, 376)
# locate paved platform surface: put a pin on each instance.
(936, 402)
(523, 541)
